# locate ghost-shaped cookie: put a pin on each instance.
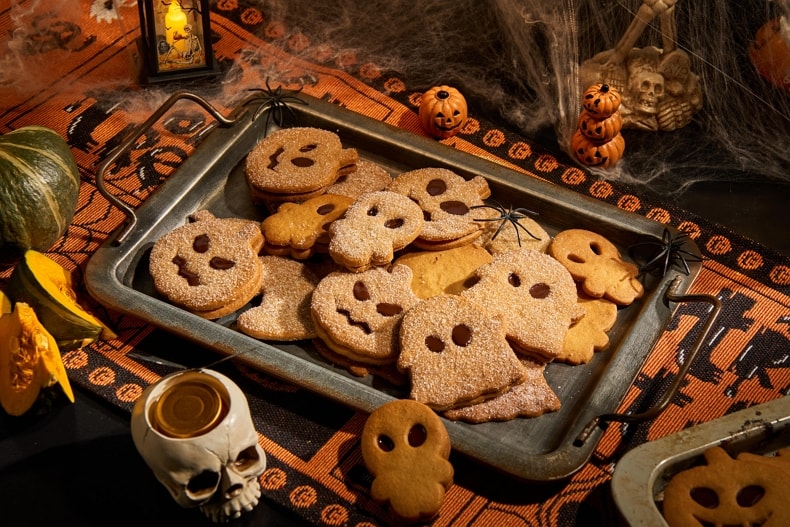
(534, 295)
(455, 353)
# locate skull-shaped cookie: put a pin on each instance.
(358, 314)
(194, 430)
(209, 266)
(297, 230)
(375, 226)
(456, 353)
(446, 200)
(406, 447)
(297, 161)
(597, 265)
(534, 295)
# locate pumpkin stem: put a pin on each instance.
(604, 88)
(442, 94)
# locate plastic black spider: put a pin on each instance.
(669, 252)
(508, 215)
(277, 102)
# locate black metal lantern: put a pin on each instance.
(176, 39)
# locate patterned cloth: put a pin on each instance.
(76, 75)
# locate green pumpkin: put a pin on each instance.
(39, 186)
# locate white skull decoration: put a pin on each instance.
(195, 432)
(647, 88)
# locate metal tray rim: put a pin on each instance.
(108, 266)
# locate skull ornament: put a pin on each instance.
(647, 88)
(194, 430)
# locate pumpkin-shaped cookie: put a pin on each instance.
(209, 266)
(358, 314)
(727, 491)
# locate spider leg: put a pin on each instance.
(518, 225)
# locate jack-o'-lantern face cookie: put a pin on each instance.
(297, 162)
(597, 265)
(375, 226)
(300, 229)
(455, 353)
(358, 314)
(446, 200)
(406, 447)
(284, 311)
(534, 295)
(209, 266)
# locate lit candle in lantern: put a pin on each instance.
(175, 20)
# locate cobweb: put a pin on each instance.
(518, 62)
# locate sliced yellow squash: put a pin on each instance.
(46, 286)
(5, 304)
(29, 360)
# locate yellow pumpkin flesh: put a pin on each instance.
(29, 361)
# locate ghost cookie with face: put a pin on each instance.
(456, 353)
(534, 295)
(209, 266)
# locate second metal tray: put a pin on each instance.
(549, 447)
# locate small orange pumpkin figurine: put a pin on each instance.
(597, 141)
(443, 111)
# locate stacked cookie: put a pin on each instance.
(413, 277)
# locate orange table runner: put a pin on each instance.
(83, 87)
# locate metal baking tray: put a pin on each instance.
(549, 447)
(642, 474)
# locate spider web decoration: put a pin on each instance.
(277, 102)
(510, 215)
(664, 254)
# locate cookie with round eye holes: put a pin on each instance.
(368, 176)
(406, 448)
(209, 266)
(589, 334)
(532, 397)
(374, 227)
(284, 310)
(456, 353)
(728, 491)
(534, 295)
(299, 230)
(295, 164)
(358, 314)
(446, 200)
(597, 265)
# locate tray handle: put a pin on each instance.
(671, 295)
(131, 219)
